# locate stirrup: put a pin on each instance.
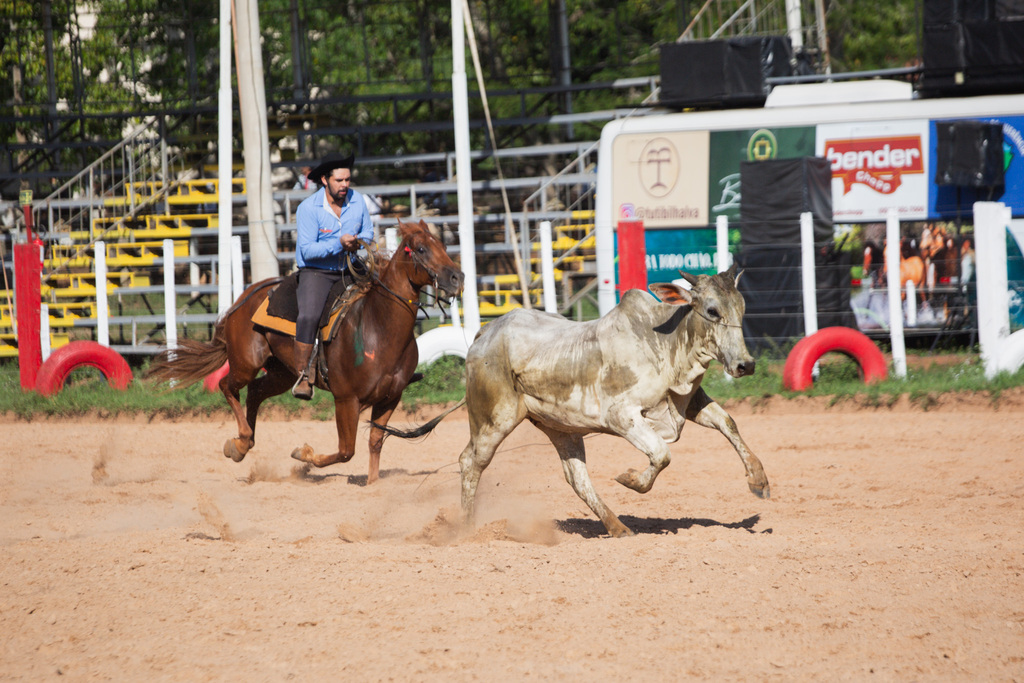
(308, 375)
(301, 395)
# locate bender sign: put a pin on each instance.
(876, 167)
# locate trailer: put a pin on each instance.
(888, 152)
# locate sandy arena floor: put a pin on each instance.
(892, 550)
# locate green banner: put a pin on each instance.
(730, 148)
(673, 249)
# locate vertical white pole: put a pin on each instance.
(224, 114)
(990, 221)
(722, 244)
(892, 264)
(456, 320)
(391, 240)
(237, 279)
(463, 171)
(911, 304)
(723, 257)
(102, 310)
(170, 299)
(810, 282)
(547, 270)
(794, 25)
(44, 331)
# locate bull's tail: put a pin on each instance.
(189, 362)
(423, 429)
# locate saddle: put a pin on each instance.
(280, 309)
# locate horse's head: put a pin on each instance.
(431, 263)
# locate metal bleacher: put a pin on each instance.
(164, 197)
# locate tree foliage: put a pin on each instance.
(115, 58)
(866, 36)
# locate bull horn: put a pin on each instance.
(692, 279)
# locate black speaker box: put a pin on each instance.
(722, 73)
(969, 154)
(972, 47)
(939, 12)
(773, 194)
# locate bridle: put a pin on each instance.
(693, 282)
(412, 304)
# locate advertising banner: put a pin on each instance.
(877, 166)
(661, 179)
(690, 249)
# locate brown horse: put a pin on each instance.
(911, 267)
(370, 359)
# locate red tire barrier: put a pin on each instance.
(212, 381)
(64, 360)
(796, 375)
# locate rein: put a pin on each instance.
(371, 272)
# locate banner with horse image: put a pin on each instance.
(937, 258)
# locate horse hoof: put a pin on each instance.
(231, 450)
(305, 453)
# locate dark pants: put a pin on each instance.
(314, 286)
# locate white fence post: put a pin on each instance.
(911, 304)
(722, 255)
(892, 264)
(547, 270)
(722, 243)
(237, 281)
(810, 281)
(390, 241)
(170, 300)
(44, 331)
(102, 309)
(990, 221)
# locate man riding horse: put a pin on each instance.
(331, 222)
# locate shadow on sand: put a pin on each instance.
(592, 528)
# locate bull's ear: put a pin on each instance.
(671, 294)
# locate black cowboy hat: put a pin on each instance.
(330, 163)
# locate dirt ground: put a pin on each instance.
(892, 549)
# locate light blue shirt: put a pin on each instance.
(319, 229)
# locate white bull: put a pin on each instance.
(635, 373)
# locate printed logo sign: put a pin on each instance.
(661, 179)
(879, 163)
(878, 167)
(659, 167)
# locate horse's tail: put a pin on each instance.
(422, 429)
(189, 362)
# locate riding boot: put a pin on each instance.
(305, 364)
